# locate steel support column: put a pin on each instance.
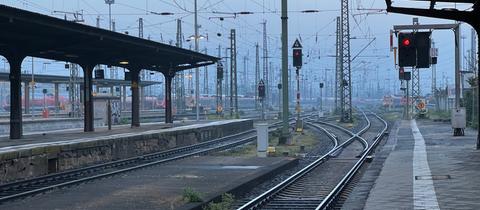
(26, 97)
(16, 128)
(124, 97)
(477, 29)
(88, 97)
(285, 114)
(57, 99)
(458, 81)
(135, 74)
(168, 99)
(142, 96)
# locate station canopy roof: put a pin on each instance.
(32, 34)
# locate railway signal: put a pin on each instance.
(414, 49)
(297, 58)
(407, 76)
(407, 54)
(261, 89)
(219, 71)
(320, 114)
(261, 95)
(401, 73)
(219, 87)
(297, 62)
(297, 54)
(423, 44)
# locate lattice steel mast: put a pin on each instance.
(180, 77)
(338, 66)
(257, 74)
(265, 65)
(205, 77)
(415, 76)
(346, 83)
(233, 75)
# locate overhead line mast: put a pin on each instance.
(346, 83)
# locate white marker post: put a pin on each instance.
(262, 139)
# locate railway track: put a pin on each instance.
(318, 185)
(23, 188)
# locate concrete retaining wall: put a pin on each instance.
(27, 161)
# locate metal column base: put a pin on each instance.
(458, 132)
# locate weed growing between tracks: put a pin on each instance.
(308, 140)
(225, 204)
(191, 196)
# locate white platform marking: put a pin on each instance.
(424, 196)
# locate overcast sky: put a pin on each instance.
(316, 30)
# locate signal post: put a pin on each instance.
(297, 63)
(261, 95)
(413, 50)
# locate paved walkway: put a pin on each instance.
(160, 186)
(428, 168)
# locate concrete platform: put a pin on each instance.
(47, 136)
(46, 124)
(61, 121)
(160, 187)
(425, 167)
(38, 154)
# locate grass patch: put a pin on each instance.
(225, 204)
(249, 150)
(307, 139)
(391, 116)
(191, 196)
(439, 115)
(124, 121)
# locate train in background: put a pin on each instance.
(151, 102)
(39, 102)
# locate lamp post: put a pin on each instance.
(197, 73)
(33, 89)
(110, 2)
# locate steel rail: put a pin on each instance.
(333, 195)
(354, 135)
(266, 196)
(89, 171)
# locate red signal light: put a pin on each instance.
(406, 42)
